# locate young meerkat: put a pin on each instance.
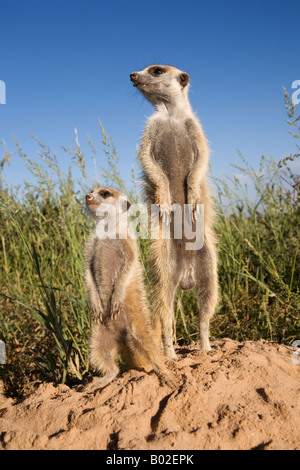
(121, 322)
(174, 156)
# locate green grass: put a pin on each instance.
(44, 314)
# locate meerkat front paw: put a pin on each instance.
(97, 315)
(163, 200)
(165, 210)
(116, 307)
(194, 202)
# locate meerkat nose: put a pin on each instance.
(89, 197)
(133, 77)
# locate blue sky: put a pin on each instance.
(66, 63)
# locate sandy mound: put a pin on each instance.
(238, 396)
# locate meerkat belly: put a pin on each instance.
(109, 267)
(173, 152)
(113, 267)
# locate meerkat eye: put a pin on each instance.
(105, 193)
(156, 71)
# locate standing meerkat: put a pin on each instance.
(174, 155)
(114, 282)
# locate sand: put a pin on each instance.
(237, 396)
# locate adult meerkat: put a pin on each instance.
(174, 155)
(114, 281)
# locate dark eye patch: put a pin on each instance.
(156, 71)
(105, 193)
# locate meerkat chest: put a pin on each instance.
(109, 262)
(172, 148)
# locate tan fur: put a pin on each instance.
(174, 155)
(120, 317)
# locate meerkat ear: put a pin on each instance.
(184, 79)
(125, 204)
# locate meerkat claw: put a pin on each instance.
(116, 309)
(165, 213)
(166, 218)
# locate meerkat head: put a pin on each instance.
(106, 197)
(161, 83)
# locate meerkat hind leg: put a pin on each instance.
(207, 290)
(103, 354)
(163, 307)
(146, 354)
(102, 382)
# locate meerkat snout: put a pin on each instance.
(133, 77)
